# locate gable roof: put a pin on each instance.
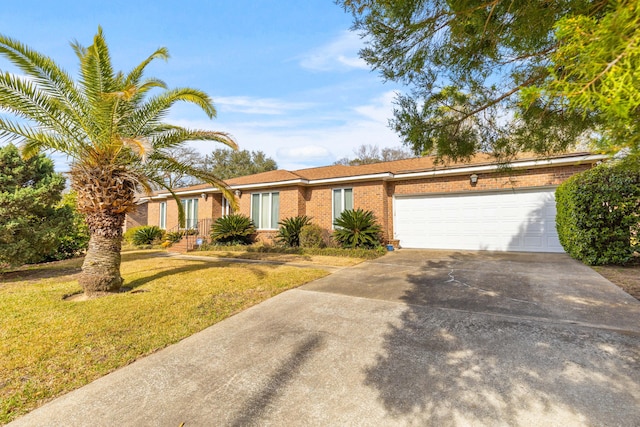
(397, 169)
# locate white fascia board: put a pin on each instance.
(383, 176)
(270, 184)
(493, 167)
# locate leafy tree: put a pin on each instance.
(110, 127)
(226, 164)
(596, 69)
(506, 76)
(33, 226)
(74, 239)
(189, 156)
(366, 154)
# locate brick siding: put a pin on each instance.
(376, 196)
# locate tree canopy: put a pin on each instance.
(506, 76)
(226, 164)
(366, 154)
(34, 225)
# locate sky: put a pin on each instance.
(285, 76)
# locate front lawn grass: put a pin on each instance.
(51, 346)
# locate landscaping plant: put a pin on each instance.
(598, 211)
(313, 236)
(290, 228)
(36, 223)
(147, 235)
(233, 229)
(357, 229)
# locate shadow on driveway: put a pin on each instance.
(484, 343)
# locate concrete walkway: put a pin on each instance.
(413, 338)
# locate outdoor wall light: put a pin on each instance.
(204, 196)
(474, 179)
(238, 193)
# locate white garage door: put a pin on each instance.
(500, 221)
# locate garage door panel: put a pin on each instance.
(515, 221)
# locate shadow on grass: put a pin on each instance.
(39, 272)
(195, 266)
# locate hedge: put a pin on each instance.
(598, 213)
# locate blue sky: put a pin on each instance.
(284, 75)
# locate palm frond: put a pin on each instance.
(22, 98)
(152, 111)
(169, 164)
(50, 79)
(133, 78)
(175, 136)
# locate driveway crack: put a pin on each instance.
(452, 279)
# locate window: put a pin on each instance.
(265, 210)
(163, 215)
(190, 207)
(226, 207)
(342, 201)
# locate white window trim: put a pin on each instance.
(163, 215)
(194, 207)
(270, 194)
(226, 207)
(333, 218)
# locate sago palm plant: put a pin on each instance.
(357, 229)
(111, 127)
(290, 228)
(234, 229)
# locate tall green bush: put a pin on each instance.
(75, 236)
(290, 228)
(34, 225)
(357, 229)
(598, 211)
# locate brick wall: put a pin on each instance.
(153, 212)
(137, 217)
(376, 196)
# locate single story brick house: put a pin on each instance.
(474, 205)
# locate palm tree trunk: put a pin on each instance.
(101, 268)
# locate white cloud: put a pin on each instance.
(266, 106)
(306, 154)
(380, 109)
(308, 138)
(340, 54)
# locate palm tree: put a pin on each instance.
(110, 127)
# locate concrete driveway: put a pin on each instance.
(413, 338)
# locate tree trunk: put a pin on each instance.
(101, 268)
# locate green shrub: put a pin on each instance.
(313, 236)
(598, 211)
(146, 235)
(233, 229)
(128, 235)
(75, 238)
(174, 236)
(289, 231)
(261, 248)
(357, 229)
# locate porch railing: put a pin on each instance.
(191, 235)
